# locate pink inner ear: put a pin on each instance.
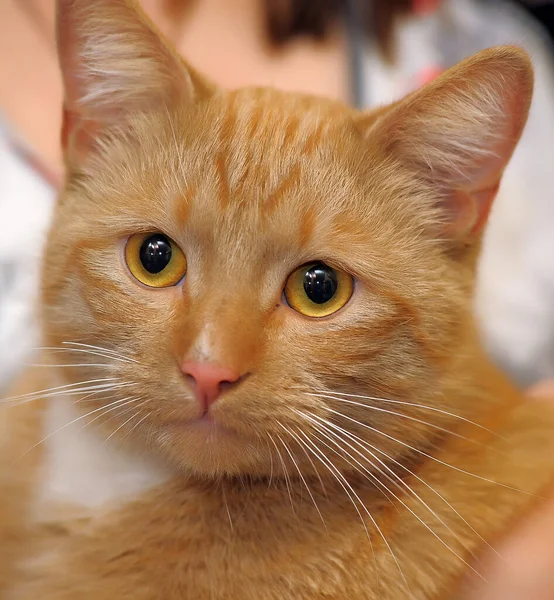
(77, 135)
(484, 200)
(67, 127)
(469, 212)
(475, 203)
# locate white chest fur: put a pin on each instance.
(83, 471)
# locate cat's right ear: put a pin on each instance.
(114, 64)
(457, 135)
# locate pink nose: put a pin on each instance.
(208, 381)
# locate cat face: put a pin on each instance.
(277, 279)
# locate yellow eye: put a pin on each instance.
(317, 290)
(155, 260)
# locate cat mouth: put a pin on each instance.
(205, 426)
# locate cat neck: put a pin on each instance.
(483, 395)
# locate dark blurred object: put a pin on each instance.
(291, 18)
(287, 19)
(543, 10)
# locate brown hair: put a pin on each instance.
(290, 18)
(287, 19)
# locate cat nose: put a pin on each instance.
(208, 381)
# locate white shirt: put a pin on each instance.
(26, 200)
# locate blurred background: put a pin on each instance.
(364, 52)
(543, 11)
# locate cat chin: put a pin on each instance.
(207, 448)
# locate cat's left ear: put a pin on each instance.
(458, 133)
(114, 64)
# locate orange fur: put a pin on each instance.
(382, 486)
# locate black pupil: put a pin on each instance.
(320, 283)
(155, 253)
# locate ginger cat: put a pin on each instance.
(263, 379)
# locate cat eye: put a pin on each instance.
(317, 290)
(155, 260)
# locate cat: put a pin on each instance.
(261, 377)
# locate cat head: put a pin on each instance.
(262, 276)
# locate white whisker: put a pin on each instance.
(101, 349)
(68, 394)
(178, 149)
(227, 507)
(398, 499)
(270, 453)
(85, 351)
(349, 460)
(136, 425)
(328, 464)
(99, 416)
(91, 395)
(75, 365)
(287, 481)
(403, 403)
(300, 474)
(398, 414)
(366, 445)
(125, 423)
(433, 458)
(113, 405)
(70, 387)
(316, 471)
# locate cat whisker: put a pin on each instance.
(337, 475)
(357, 467)
(285, 473)
(271, 466)
(104, 409)
(366, 445)
(70, 387)
(397, 498)
(101, 414)
(125, 423)
(136, 425)
(370, 477)
(133, 416)
(92, 395)
(117, 414)
(397, 414)
(86, 351)
(227, 506)
(75, 365)
(316, 471)
(427, 455)
(341, 480)
(103, 398)
(107, 351)
(404, 403)
(120, 414)
(78, 392)
(348, 459)
(300, 473)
